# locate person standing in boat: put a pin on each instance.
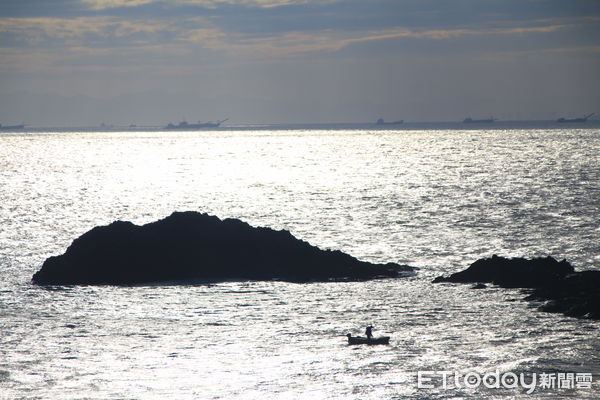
(369, 332)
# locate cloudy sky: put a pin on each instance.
(74, 62)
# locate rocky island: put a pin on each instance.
(575, 294)
(194, 247)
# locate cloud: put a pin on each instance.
(111, 31)
(299, 43)
(104, 4)
(111, 4)
(561, 51)
(293, 47)
(87, 31)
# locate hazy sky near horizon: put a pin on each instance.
(69, 62)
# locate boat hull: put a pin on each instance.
(574, 120)
(184, 126)
(353, 340)
(12, 127)
(478, 121)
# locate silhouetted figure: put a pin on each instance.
(369, 332)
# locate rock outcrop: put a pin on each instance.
(192, 247)
(576, 294)
(512, 272)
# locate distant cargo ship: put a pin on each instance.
(183, 125)
(470, 120)
(380, 121)
(583, 119)
(6, 127)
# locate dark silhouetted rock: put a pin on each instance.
(575, 294)
(479, 286)
(189, 246)
(512, 272)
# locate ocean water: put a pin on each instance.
(437, 199)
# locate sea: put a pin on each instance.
(433, 196)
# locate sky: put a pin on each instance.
(150, 62)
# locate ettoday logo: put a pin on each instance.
(507, 380)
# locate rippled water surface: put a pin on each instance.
(438, 200)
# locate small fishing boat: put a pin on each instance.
(381, 121)
(11, 127)
(364, 340)
(470, 120)
(568, 120)
(184, 126)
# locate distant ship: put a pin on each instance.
(183, 125)
(380, 121)
(470, 120)
(583, 119)
(6, 127)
